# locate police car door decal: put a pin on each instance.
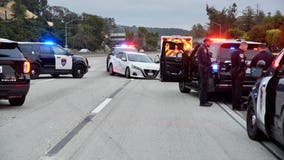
(63, 62)
(261, 100)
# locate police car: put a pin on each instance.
(133, 64)
(14, 73)
(265, 114)
(50, 58)
(184, 67)
(120, 47)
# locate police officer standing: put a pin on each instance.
(238, 74)
(264, 55)
(204, 63)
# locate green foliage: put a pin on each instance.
(198, 31)
(273, 36)
(19, 10)
(152, 41)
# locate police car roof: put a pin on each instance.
(131, 52)
(220, 40)
(45, 43)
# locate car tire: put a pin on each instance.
(127, 73)
(182, 88)
(54, 75)
(253, 131)
(17, 101)
(111, 72)
(35, 71)
(78, 71)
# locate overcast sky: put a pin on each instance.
(161, 13)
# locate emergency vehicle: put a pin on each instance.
(186, 66)
(265, 114)
(50, 58)
(174, 53)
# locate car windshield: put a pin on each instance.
(226, 49)
(139, 58)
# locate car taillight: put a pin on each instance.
(27, 67)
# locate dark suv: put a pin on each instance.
(184, 68)
(265, 115)
(50, 58)
(14, 73)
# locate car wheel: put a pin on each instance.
(54, 75)
(127, 73)
(35, 71)
(78, 71)
(182, 88)
(111, 72)
(17, 101)
(252, 129)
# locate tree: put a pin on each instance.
(141, 39)
(19, 10)
(152, 41)
(273, 36)
(221, 21)
(236, 33)
(198, 31)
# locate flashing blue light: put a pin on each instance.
(49, 43)
(255, 94)
(215, 68)
(232, 48)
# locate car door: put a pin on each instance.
(267, 90)
(117, 63)
(46, 56)
(63, 60)
(174, 62)
(123, 63)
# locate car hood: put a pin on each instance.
(143, 65)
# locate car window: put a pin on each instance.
(44, 49)
(10, 50)
(58, 51)
(139, 58)
(123, 56)
(119, 55)
(27, 48)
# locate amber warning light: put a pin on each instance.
(27, 67)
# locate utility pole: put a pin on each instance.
(220, 27)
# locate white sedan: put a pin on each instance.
(133, 64)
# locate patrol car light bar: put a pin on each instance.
(49, 43)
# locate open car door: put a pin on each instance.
(173, 62)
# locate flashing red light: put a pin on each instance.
(217, 39)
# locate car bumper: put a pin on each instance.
(13, 90)
(144, 73)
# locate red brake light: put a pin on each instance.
(27, 67)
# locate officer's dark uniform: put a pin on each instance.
(238, 75)
(204, 64)
(263, 55)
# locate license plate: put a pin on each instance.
(150, 73)
(1, 70)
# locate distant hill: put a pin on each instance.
(160, 31)
(6, 12)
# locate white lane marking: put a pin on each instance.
(236, 115)
(101, 106)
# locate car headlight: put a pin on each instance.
(135, 67)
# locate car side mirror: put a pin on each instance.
(157, 59)
(69, 54)
(123, 59)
